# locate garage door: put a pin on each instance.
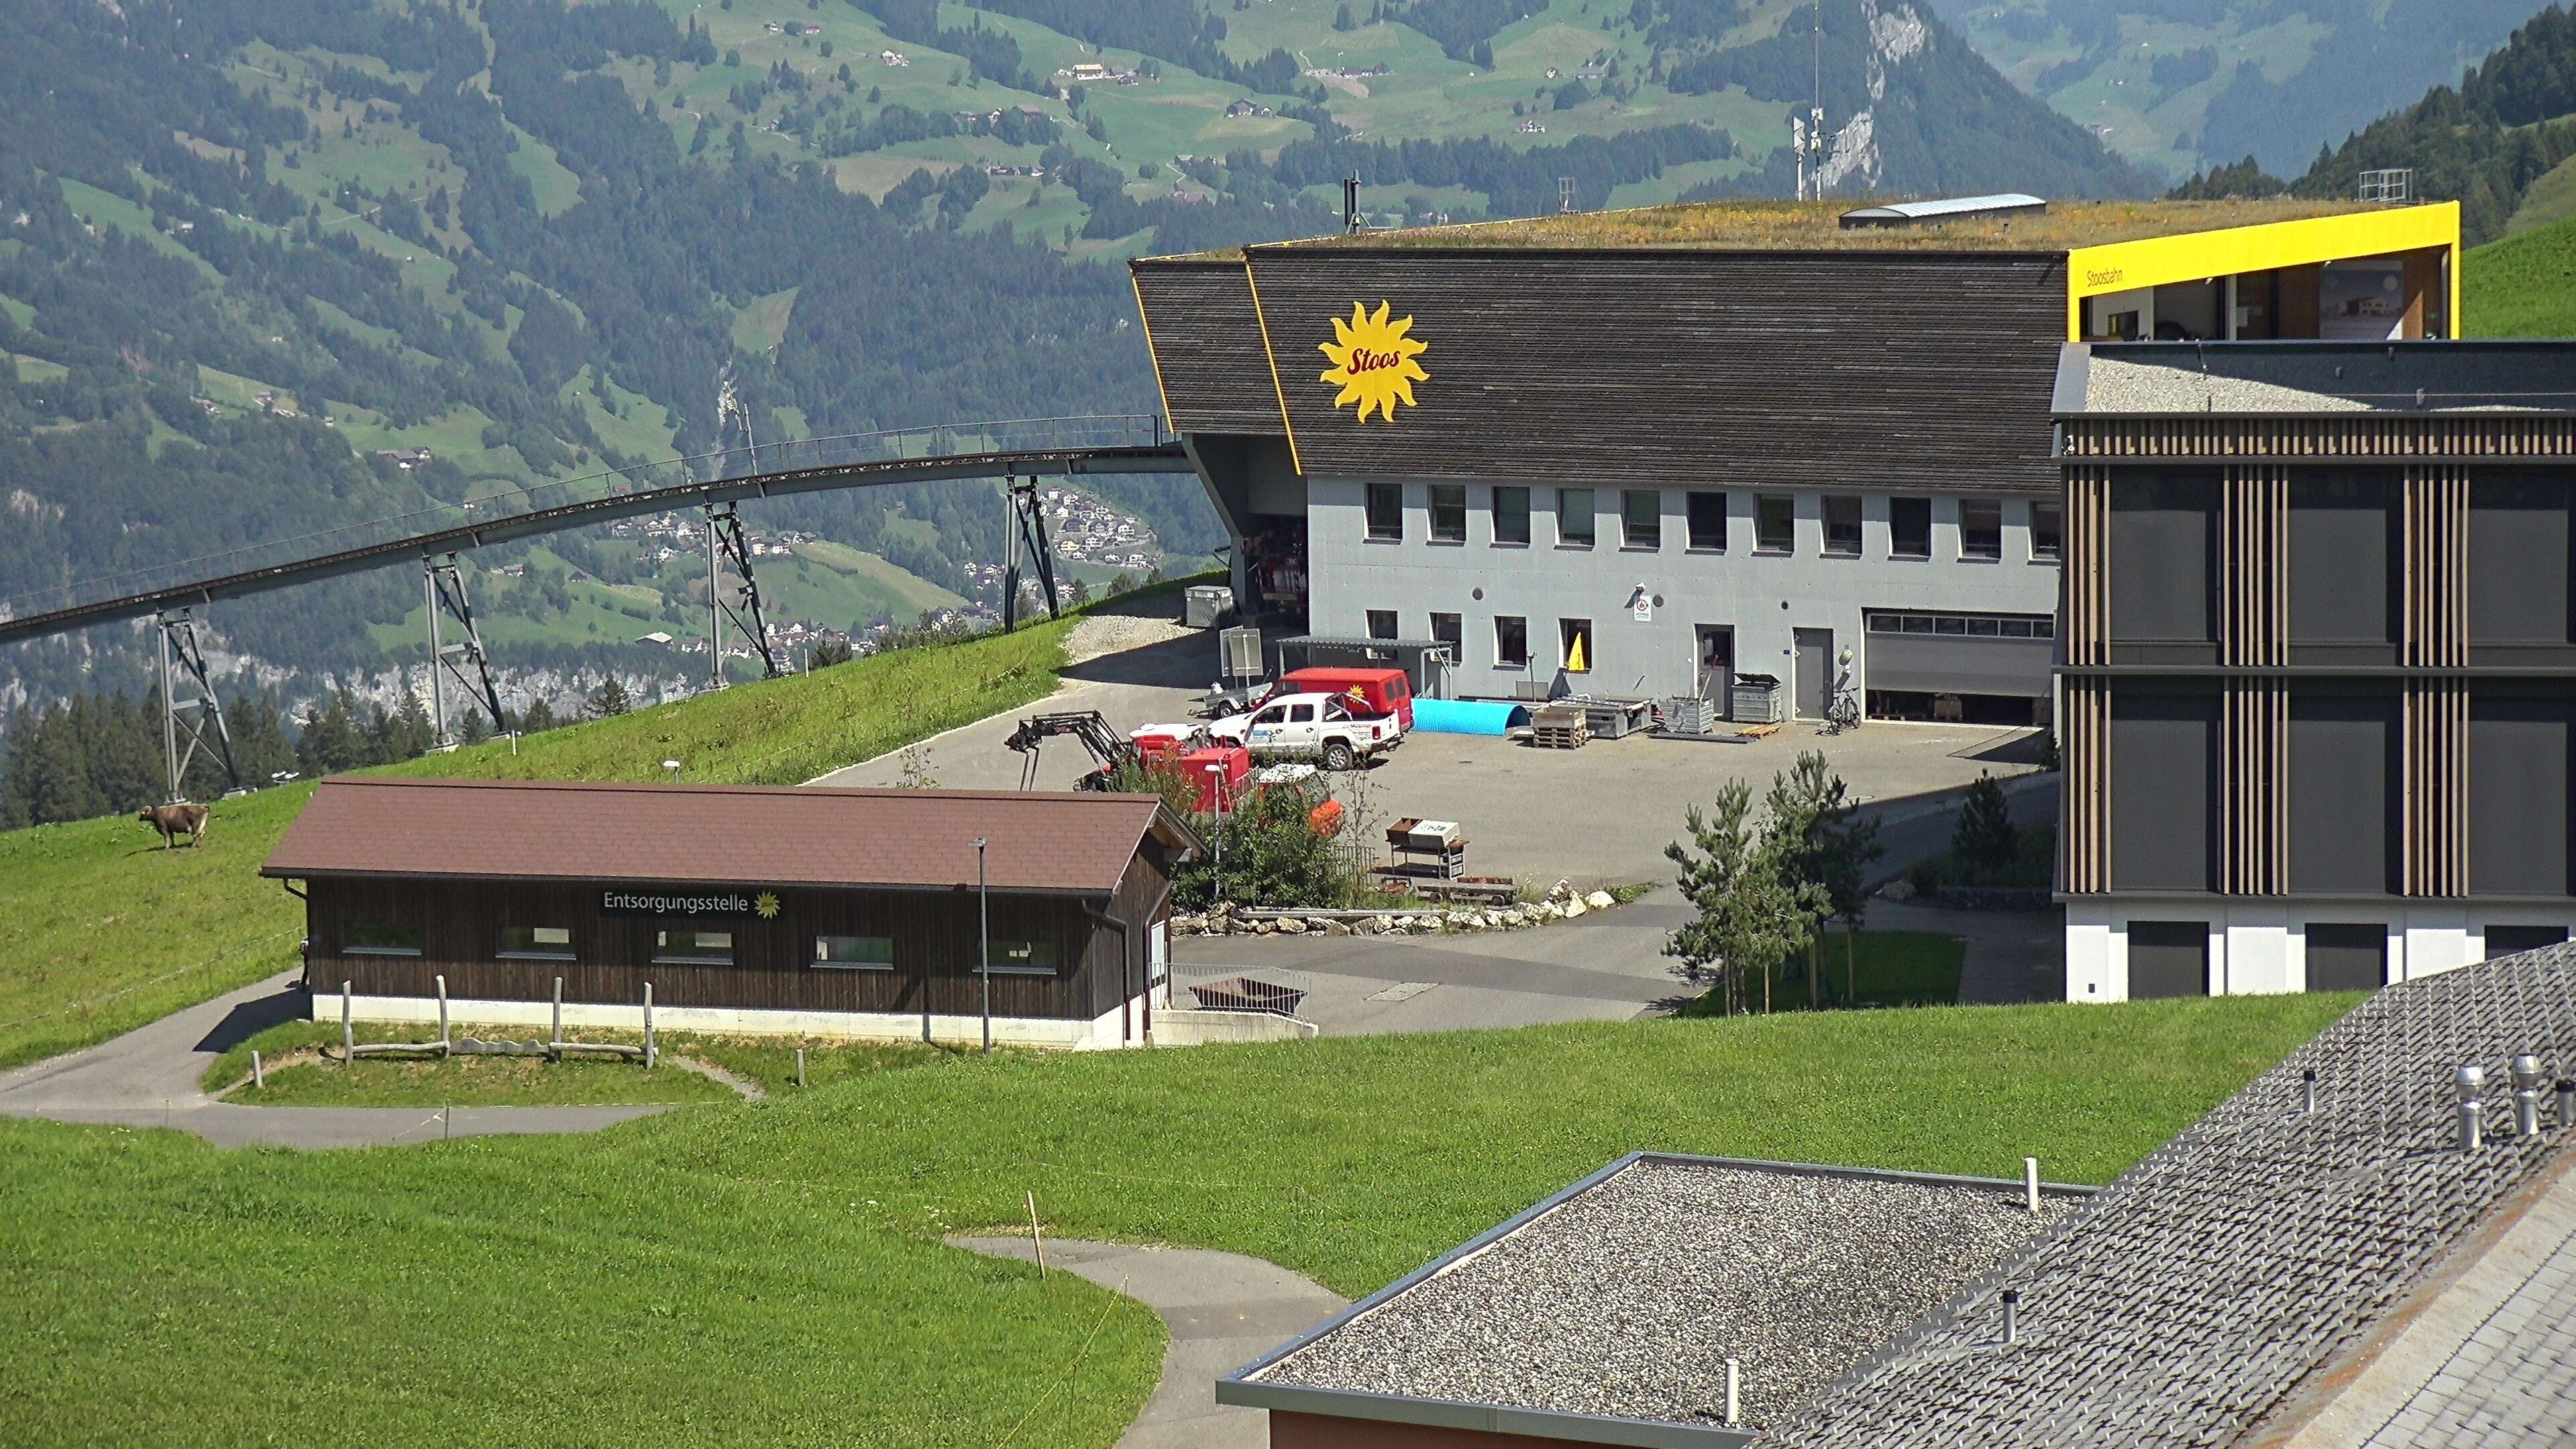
(2006, 654)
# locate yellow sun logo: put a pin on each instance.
(1373, 361)
(765, 905)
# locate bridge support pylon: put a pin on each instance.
(726, 544)
(443, 586)
(1024, 526)
(198, 719)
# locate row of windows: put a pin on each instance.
(2171, 958)
(1641, 521)
(1973, 626)
(690, 947)
(1511, 638)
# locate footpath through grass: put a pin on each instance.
(771, 1274)
(108, 931)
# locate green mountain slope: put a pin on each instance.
(2522, 286)
(2179, 85)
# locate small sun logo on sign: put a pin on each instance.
(1373, 361)
(765, 905)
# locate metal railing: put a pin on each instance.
(1037, 437)
(1268, 990)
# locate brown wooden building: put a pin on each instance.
(748, 909)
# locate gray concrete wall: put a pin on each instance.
(1765, 598)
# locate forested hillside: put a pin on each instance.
(2499, 143)
(2179, 85)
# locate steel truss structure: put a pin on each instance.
(198, 719)
(443, 586)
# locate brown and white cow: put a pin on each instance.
(174, 821)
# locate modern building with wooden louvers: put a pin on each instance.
(2320, 661)
(744, 909)
(1638, 452)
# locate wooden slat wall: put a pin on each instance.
(934, 932)
(1912, 371)
(2436, 711)
(2254, 633)
(1206, 341)
(2390, 437)
(2085, 631)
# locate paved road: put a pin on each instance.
(1223, 1309)
(149, 1078)
(1610, 966)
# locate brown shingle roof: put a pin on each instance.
(736, 834)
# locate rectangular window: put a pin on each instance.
(1511, 515)
(536, 943)
(2519, 560)
(2343, 778)
(384, 940)
(1574, 517)
(1451, 631)
(1448, 513)
(2522, 761)
(1381, 623)
(1641, 517)
(694, 948)
(1909, 528)
(1575, 637)
(2163, 790)
(2344, 533)
(1386, 511)
(2164, 529)
(2347, 957)
(1024, 958)
(854, 953)
(2047, 532)
(1511, 641)
(1301, 714)
(2508, 940)
(1775, 525)
(1708, 522)
(1981, 528)
(1842, 526)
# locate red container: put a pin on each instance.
(1222, 787)
(1157, 742)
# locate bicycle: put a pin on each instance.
(1843, 713)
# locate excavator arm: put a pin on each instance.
(1107, 747)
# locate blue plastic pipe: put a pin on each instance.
(1467, 716)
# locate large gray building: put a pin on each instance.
(1637, 453)
(2320, 662)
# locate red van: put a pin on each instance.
(1371, 691)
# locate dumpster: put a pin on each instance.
(1203, 604)
(1757, 699)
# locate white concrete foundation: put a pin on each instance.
(2259, 946)
(1017, 1031)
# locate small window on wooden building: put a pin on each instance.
(694, 948)
(536, 943)
(854, 953)
(377, 939)
(1024, 958)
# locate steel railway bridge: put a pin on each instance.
(1018, 452)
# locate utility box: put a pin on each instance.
(1757, 699)
(1202, 605)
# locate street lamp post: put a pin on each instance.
(984, 942)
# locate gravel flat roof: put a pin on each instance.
(1627, 1299)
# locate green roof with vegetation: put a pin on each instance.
(1815, 226)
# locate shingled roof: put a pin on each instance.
(2228, 1287)
(373, 825)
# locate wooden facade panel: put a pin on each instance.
(934, 935)
(1206, 342)
(1904, 371)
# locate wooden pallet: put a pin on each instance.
(1561, 737)
(1755, 732)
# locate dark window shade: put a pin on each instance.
(2162, 535)
(1842, 526)
(1641, 517)
(2343, 540)
(1511, 514)
(2519, 559)
(1909, 528)
(2168, 958)
(2518, 779)
(2162, 746)
(2345, 957)
(1386, 510)
(2343, 799)
(2506, 940)
(1708, 521)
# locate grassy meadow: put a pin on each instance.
(2522, 286)
(109, 931)
(771, 1273)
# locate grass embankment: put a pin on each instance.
(771, 1274)
(299, 1076)
(2522, 286)
(1887, 968)
(107, 931)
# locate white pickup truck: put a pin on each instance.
(1320, 727)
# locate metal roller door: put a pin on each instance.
(1993, 654)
